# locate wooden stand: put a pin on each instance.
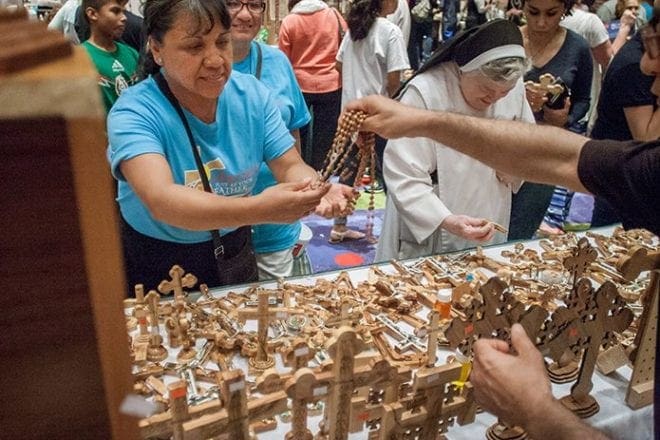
(640, 391)
(63, 351)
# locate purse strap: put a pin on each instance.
(218, 248)
(340, 33)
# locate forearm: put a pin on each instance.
(196, 210)
(653, 128)
(550, 154)
(555, 422)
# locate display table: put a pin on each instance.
(339, 298)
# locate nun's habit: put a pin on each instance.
(428, 181)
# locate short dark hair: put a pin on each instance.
(159, 17)
(94, 4)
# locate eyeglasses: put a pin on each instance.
(651, 40)
(235, 6)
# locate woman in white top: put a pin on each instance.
(440, 200)
(371, 57)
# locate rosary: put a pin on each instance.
(343, 145)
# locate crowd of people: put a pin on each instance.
(215, 139)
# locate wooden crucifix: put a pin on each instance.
(156, 351)
(262, 360)
(179, 280)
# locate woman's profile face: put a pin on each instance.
(543, 16)
(481, 92)
(197, 61)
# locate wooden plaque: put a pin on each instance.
(64, 353)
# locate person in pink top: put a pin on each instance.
(310, 36)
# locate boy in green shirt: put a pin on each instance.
(116, 62)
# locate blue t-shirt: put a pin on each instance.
(248, 130)
(277, 74)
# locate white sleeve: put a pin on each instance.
(397, 55)
(407, 165)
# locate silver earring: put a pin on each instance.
(159, 61)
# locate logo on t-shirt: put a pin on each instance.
(192, 178)
(120, 84)
(117, 66)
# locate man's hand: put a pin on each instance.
(337, 201)
(470, 228)
(514, 387)
(387, 117)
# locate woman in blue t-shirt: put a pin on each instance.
(235, 125)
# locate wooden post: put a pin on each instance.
(178, 407)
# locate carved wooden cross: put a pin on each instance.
(177, 282)
(304, 388)
(342, 347)
(606, 313)
(583, 255)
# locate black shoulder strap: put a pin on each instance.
(257, 72)
(165, 88)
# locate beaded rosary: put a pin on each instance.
(342, 146)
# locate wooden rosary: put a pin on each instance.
(342, 150)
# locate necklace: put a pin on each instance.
(534, 54)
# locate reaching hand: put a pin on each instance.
(337, 201)
(627, 19)
(288, 202)
(387, 118)
(514, 387)
(476, 229)
(536, 99)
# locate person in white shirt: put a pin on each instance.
(401, 18)
(371, 57)
(440, 200)
(65, 20)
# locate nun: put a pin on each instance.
(438, 199)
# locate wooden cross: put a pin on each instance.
(437, 405)
(156, 351)
(263, 314)
(299, 354)
(605, 314)
(304, 388)
(432, 344)
(177, 282)
(233, 420)
(178, 407)
(583, 255)
(342, 347)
